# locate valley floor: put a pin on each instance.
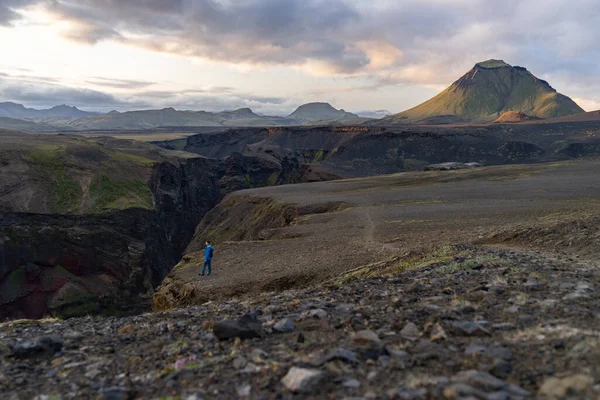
(468, 322)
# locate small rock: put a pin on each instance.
(458, 390)
(258, 356)
(437, 333)
(570, 387)
(317, 314)
(501, 369)
(46, 346)
(244, 390)
(504, 326)
(246, 327)
(302, 380)
(351, 384)
(410, 330)
(474, 349)
(416, 287)
(468, 328)
(339, 354)
(250, 369)
(512, 310)
(480, 380)
(115, 393)
(407, 394)
(239, 362)
(525, 320)
(396, 354)
(366, 337)
(285, 325)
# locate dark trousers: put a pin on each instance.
(207, 263)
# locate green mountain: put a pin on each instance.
(486, 92)
(319, 111)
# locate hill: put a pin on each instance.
(23, 125)
(14, 110)
(319, 111)
(145, 119)
(514, 117)
(488, 90)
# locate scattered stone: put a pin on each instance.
(570, 387)
(437, 333)
(406, 394)
(480, 380)
(244, 391)
(468, 328)
(115, 393)
(416, 287)
(396, 354)
(302, 380)
(246, 327)
(258, 356)
(351, 384)
(317, 314)
(501, 369)
(459, 390)
(45, 346)
(339, 354)
(285, 325)
(410, 330)
(239, 362)
(365, 337)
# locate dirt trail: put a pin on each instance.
(370, 232)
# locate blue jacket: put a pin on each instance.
(207, 255)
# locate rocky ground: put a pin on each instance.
(476, 322)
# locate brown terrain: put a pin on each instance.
(275, 238)
(470, 284)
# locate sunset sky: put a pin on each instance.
(273, 55)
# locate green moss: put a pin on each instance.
(64, 191)
(272, 181)
(319, 155)
(108, 194)
(130, 158)
(249, 180)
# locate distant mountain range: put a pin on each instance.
(491, 91)
(70, 118)
(487, 91)
(14, 110)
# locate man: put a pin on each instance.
(208, 256)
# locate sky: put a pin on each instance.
(273, 55)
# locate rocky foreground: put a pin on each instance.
(467, 322)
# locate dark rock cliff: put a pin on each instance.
(67, 264)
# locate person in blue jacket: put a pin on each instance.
(208, 256)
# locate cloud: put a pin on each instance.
(8, 10)
(39, 94)
(120, 83)
(389, 42)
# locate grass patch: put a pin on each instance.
(64, 191)
(130, 158)
(319, 156)
(401, 264)
(272, 181)
(249, 180)
(108, 194)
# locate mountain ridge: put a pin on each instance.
(488, 90)
(61, 117)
